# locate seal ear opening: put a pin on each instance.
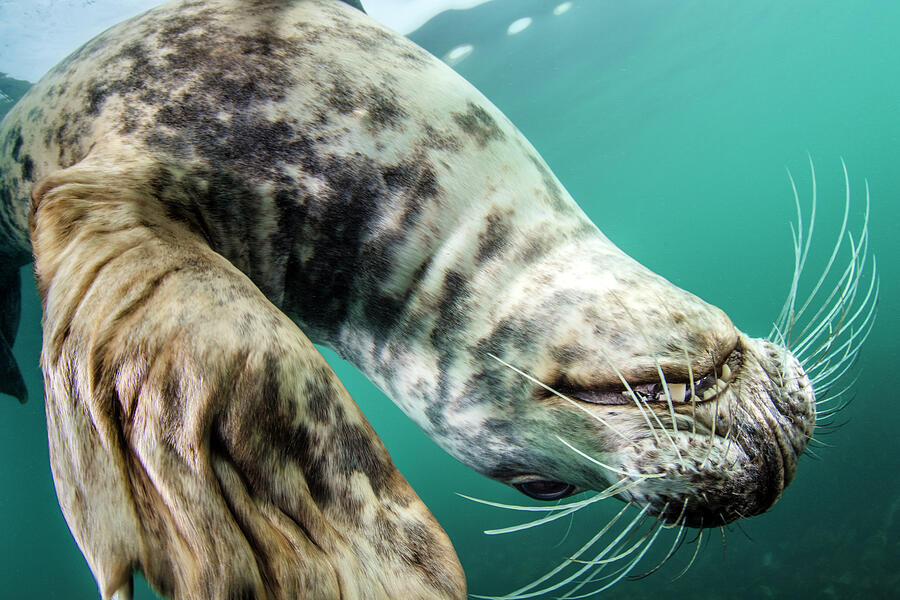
(11, 381)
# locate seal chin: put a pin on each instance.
(740, 451)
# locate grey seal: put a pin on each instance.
(209, 186)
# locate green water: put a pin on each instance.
(671, 123)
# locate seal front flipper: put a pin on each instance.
(11, 381)
(195, 433)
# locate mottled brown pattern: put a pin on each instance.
(206, 445)
(206, 177)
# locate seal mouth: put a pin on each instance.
(662, 389)
(750, 453)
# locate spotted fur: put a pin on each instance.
(195, 174)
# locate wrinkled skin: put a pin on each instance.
(203, 170)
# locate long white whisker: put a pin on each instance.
(679, 536)
(780, 339)
(787, 309)
(637, 396)
(663, 429)
(693, 392)
(693, 557)
(617, 557)
(728, 439)
(829, 398)
(712, 434)
(564, 397)
(837, 246)
(680, 515)
(846, 286)
(608, 467)
(552, 508)
(568, 531)
(847, 364)
(621, 485)
(826, 377)
(632, 394)
(851, 352)
(836, 408)
(543, 520)
(592, 576)
(812, 215)
(870, 303)
(665, 386)
(519, 593)
(871, 295)
(624, 571)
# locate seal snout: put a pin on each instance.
(738, 437)
(770, 422)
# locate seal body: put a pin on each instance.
(193, 175)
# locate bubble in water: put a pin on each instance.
(458, 53)
(518, 26)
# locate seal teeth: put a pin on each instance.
(726, 372)
(677, 391)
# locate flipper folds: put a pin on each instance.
(196, 434)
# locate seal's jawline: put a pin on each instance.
(651, 391)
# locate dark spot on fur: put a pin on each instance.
(417, 551)
(253, 231)
(479, 124)
(331, 232)
(6, 200)
(330, 451)
(245, 591)
(446, 336)
(341, 97)
(509, 333)
(96, 95)
(172, 400)
(451, 315)
(130, 120)
(320, 400)
(181, 24)
(437, 140)
(27, 168)
(384, 110)
(494, 237)
(141, 71)
(534, 246)
(275, 427)
(312, 458)
(568, 354)
(414, 180)
(355, 453)
(17, 145)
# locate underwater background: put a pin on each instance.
(671, 123)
